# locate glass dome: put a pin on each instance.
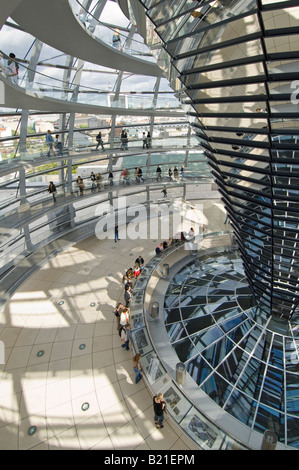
(245, 362)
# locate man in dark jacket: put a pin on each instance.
(99, 141)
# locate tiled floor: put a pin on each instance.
(62, 350)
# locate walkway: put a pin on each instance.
(63, 354)
(71, 38)
(14, 95)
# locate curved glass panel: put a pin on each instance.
(237, 360)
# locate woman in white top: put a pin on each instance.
(124, 317)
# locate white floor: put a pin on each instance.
(59, 356)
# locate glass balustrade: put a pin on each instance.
(118, 37)
(47, 86)
(37, 178)
(171, 135)
(26, 228)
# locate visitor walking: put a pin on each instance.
(128, 176)
(99, 181)
(110, 178)
(137, 367)
(159, 408)
(52, 190)
(144, 140)
(116, 237)
(140, 177)
(122, 138)
(93, 182)
(159, 173)
(58, 145)
(149, 140)
(50, 143)
(125, 336)
(81, 185)
(99, 141)
(126, 141)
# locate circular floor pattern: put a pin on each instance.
(245, 362)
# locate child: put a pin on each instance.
(136, 270)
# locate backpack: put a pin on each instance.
(116, 312)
